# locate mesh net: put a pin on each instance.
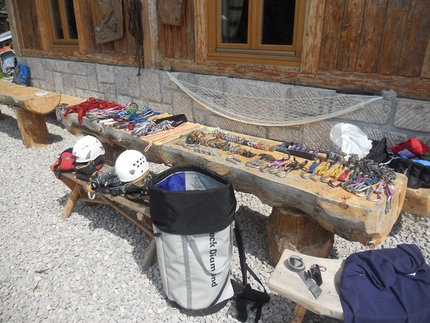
(267, 103)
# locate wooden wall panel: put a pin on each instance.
(312, 35)
(178, 41)
(27, 12)
(332, 25)
(371, 35)
(350, 34)
(417, 32)
(392, 39)
(425, 72)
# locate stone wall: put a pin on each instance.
(397, 119)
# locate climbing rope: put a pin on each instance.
(135, 29)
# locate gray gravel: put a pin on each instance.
(86, 268)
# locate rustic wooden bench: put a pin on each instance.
(141, 219)
(305, 214)
(288, 284)
(31, 105)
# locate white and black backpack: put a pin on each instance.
(193, 213)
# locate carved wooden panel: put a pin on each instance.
(111, 25)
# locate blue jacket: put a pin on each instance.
(388, 285)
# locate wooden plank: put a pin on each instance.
(288, 284)
(201, 39)
(43, 25)
(84, 25)
(312, 35)
(189, 31)
(331, 33)
(350, 34)
(336, 210)
(417, 202)
(416, 34)
(425, 71)
(371, 35)
(15, 26)
(89, 57)
(392, 39)
(25, 97)
(28, 22)
(150, 33)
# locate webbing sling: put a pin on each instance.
(243, 291)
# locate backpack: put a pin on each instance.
(193, 214)
(64, 163)
(21, 74)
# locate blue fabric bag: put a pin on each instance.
(21, 75)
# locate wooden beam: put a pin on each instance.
(100, 58)
(14, 27)
(371, 36)
(312, 35)
(201, 33)
(425, 72)
(150, 32)
(351, 82)
(350, 35)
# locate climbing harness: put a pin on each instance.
(296, 264)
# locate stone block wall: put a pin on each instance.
(397, 119)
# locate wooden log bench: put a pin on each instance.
(288, 284)
(31, 105)
(299, 206)
(305, 214)
(124, 206)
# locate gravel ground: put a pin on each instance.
(86, 268)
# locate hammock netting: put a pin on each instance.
(267, 103)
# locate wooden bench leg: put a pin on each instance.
(295, 230)
(150, 255)
(33, 128)
(74, 196)
(298, 315)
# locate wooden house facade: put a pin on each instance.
(351, 46)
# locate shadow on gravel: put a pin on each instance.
(253, 228)
(106, 218)
(9, 125)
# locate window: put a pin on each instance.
(265, 31)
(63, 24)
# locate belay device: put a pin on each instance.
(193, 210)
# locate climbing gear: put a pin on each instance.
(87, 148)
(135, 29)
(295, 263)
(131, 165)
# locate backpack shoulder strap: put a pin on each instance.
(243, 292)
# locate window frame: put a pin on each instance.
(55, 43)
(254, 52)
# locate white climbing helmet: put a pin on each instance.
(87, 148)
(130, 165)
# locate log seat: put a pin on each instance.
(288, 284)
(31, 105)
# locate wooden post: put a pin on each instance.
(33, 128)
(294, 230)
